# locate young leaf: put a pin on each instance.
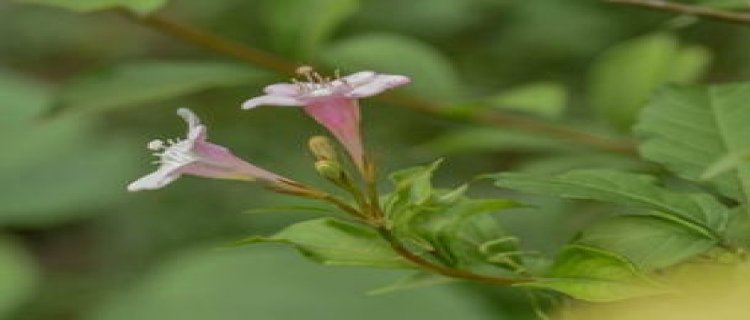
(688, 128)
(624, 76)
(413, 185)
(596, 275)
(149, 81)
(335, 242)
(138, 6)
(649, 242)
(702, 211)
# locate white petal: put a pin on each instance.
(155, 180)
(359, 78)
(189, 116)
(282, 89)
(198, 133)
(377, 85)
(272, 100)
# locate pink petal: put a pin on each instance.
(377, 85)
(271, 100)
(341, 117)
(282, 89)
(219, 162)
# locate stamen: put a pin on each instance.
(315, 81)
(155, 145)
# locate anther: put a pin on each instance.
(155, 145)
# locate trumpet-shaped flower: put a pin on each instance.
(196, 156)
(333, 103)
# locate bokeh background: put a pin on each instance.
(81, 94)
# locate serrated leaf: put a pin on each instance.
(688, 128)
(625, 76)
(596, 275)
(313, 23)
(414, 281)
(649, 242)
(335, 242)
(705, 213)
(137, 83)
(138, 6)
(432, 73)
(545, 99)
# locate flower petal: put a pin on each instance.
(282, 89)
(359, 78)
(272, 100)
(378, 84)
(189, 117)
(155, 180)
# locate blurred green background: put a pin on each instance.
(81, 94)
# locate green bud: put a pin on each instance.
(322, 149)
(330, 170)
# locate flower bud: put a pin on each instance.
(330, 170)
(322, 149)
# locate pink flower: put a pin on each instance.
(198, 157)
(332, 103)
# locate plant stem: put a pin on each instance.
(216, 43)
(439, 269)
(691, 10)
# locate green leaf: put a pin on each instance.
(414, 281)
(144, 82)
(724, 164)
(596, 275)
(138, 6)
(432, 73)
(465, 235)
(689, 128)
(723, 4)
(446, 223)
(271, 284)
(19, 276)
(626, 75)
(59, 170)
(701, 211)
(413, 185)
(290, 208)
(496, 140)
(649, 242)
(335, 242)
(314, 22)
(545, 99)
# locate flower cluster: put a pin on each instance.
(333, 103)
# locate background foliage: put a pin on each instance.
(80, 93)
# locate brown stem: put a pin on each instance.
(211, 41)
(446, 271)
(687, 9)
